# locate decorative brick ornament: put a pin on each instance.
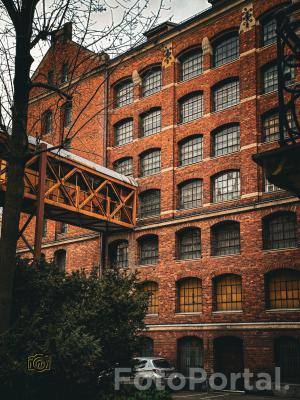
(248, 20)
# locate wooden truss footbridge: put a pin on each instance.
(63, 187)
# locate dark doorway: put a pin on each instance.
(146, 347)
(229, 358)
(190, 354)
(287, 357)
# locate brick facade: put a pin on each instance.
(255, 323)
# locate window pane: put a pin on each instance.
(124, 166)
(47, 122)
(151, 82)
(190, 295)
(152, 289)
(226, 239)
(226, 95)
(191, 65)
(226, 50)
(150, 163)
(150, 203)
(270, 187)
(148, 251)
(191, 108)
(284, 290)
(270, 77)
(123, 133)
(191, 151)
(228, 293)
(189, 244)
(280, 231)
(191, 194)
(269, 32)
(124, 94)
(119, 254)
(227, 140)
(226, 186)
(151, 122)
(271, 127)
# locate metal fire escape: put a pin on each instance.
(64, 187)
(282, 164)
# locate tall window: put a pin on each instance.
(188, 244)
(226, 186)
(189, 295)
(287, 358)
(118, 254)
(146, 347)
(226, 238)
(150, 203)
(226, 95)
(228, 292)
(270, 77)
(191, 64)
(226, 140)
(47, 122)
(60, 259)
(190, 194)
(283, 289)
(151, 122)
(123, 132)
(67, 114)
(124, 166)
(61, 228)
(150, 163)
(226, 49)
(124, 93)
(270, 124)
(151, 288)
(280, 230)
(64, 73)
(151, 81)
(44, 233)
(191, 150)
(269, 31)
(148, 246)
(191, 107)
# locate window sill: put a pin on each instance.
(179, 260)
(151, 94)
(187, 165)
(228, 312)
(124, 105)
(281, 249)
(179, 314)
(224, 155)
(151, 134)
(151, 315)
(226, 255)
(147, 265)
(225, 109)
(272, 310)
(227, 63)
(225, 201)
(148, 176)
(266, 46)
(180, 123)
(181, 81)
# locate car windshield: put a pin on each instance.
(161, 363)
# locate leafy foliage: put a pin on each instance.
(86, 324)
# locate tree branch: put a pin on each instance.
(50, 87)
(11, 9)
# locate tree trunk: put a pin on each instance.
(15, 177)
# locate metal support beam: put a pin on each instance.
(40, 203)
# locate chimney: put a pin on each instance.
(62, 35)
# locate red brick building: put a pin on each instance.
(215, 244)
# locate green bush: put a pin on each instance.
(85, 324)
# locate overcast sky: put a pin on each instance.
(182, 9)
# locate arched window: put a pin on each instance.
(226, 139)
(287, 358)
(270, 77)
(124, 166)
(64, 73)
(152, 289)
(226, 186)
(123, 132)
(283, 289)
(191, 107)
(226, 238)
(226, 49)
(124, 93)
(47, 122)
(228, 293)
(191, 150)
(191, 64)
(146, 347)
(269, 25)
(190, 354)
(148, 250)
(60, 259)
(280, 230)
(151, 81)
(118, 254)
(226, 94)
(150, 203)
(151, 122)
(190, 194)
(67, 114)
(188, 244)
(189, 295)
(270, 125)
(150, 162)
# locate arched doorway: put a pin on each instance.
(229, 357)
(287, 357)
(190, 354)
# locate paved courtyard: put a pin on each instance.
(222, 396)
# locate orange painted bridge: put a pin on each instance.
(64, 187)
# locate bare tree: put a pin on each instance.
(26, 29)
